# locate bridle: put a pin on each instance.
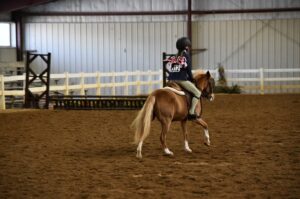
(207, 92)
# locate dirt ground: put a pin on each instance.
(255, 153)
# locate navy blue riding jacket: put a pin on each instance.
(182, 68)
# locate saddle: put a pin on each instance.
(176, 88)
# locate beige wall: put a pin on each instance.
(7, 54)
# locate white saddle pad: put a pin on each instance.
(174, 90)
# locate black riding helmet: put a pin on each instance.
(182, 43)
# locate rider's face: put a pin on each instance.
(187, 48)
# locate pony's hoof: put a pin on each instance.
(139, 155)
(207, 143)
(188, 150)
(168, 152)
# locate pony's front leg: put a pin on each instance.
(185, 135)
(206, 133)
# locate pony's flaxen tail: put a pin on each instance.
(142, 123)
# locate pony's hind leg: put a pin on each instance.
(185, 135)
(165, 126)
(206, 133)
(139, 150)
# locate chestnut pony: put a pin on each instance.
(168, 105)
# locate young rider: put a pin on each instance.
(181, 73)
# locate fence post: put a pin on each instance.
(66, 83)
(114, 85)
(150, 81)
(98, 91)
(216, 73)
(126, 83)
(82, 84)
(138, 80)
(261, 71)
(2, 96)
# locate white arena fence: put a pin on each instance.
(115, 83)
(143, 83)
(285, 80)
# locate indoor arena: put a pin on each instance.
(150, 99)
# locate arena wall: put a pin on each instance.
(130, 43)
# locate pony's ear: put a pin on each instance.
(208, 74)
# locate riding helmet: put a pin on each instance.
(182, 43)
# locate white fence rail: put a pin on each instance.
(264, 76)
(130, 83)
(137, 83)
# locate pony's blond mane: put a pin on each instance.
(198, 72)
